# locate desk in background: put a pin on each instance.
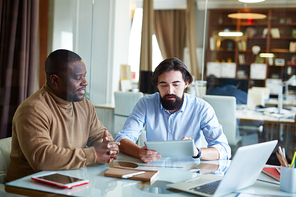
(274, 102)
(171, 170)
(286, 127)
(260, 116)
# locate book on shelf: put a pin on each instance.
(275, 33)
(121, 172)
(242, 45)
(292, 47)
(272, 172)
(258, 71)
(241, 59)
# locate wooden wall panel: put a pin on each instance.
(43, 39)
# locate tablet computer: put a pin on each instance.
(60, 180)
(174, 148)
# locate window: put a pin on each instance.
(135, 45)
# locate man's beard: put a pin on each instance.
(171, 104)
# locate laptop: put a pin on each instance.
(243, 171)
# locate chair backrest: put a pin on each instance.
(5, 149)
(255, 97)
(225, 108)
(124, 105)
(265, 90)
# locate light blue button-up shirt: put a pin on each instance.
(195, 118)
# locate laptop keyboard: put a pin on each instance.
(208, 188)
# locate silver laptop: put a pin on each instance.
(243, 171)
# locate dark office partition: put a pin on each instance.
(145, 83)
(229, 87)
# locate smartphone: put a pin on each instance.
(60, 180)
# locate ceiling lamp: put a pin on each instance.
(246, 16)
(251, 1)
(230, 34)
(266, 55)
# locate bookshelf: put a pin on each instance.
(274, 34)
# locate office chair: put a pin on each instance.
(5, 149)
(124, 105)
(225, 107)
(265, 90)
(255, 97)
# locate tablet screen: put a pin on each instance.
(60, 178)
(173, 148)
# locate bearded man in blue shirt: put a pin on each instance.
(171, 114)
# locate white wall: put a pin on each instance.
(218, 4)
(63, 21)
(83, 35)
(122, 28)
(100, 31)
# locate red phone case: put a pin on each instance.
(74, 184)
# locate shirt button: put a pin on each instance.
(170, 131)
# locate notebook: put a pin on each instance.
(144, 175)
(273, 172)
(243, 171)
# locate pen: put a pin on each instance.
(278, 170)
(283, 157)
(293, 160)
(280, 150)
(132, 174)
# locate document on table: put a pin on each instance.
(273, 111)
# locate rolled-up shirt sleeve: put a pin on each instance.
(213, 132)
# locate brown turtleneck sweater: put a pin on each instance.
(49, 133)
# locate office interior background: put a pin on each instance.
(107, 35)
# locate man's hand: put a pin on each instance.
(148, 155)
(105, 137)
(106, 149)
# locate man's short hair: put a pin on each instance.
(170, 64)
(57, 62)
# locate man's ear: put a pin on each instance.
(186, 84)
(54, 80)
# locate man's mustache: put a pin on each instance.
(170, 95)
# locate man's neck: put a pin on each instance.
(173, 111)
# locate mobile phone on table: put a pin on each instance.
(60, 180)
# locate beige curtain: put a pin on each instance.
(191, 38)
(147, 32)
(170, 31)
(173, 29)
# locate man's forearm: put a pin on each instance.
(129, 147)
(210, 153)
